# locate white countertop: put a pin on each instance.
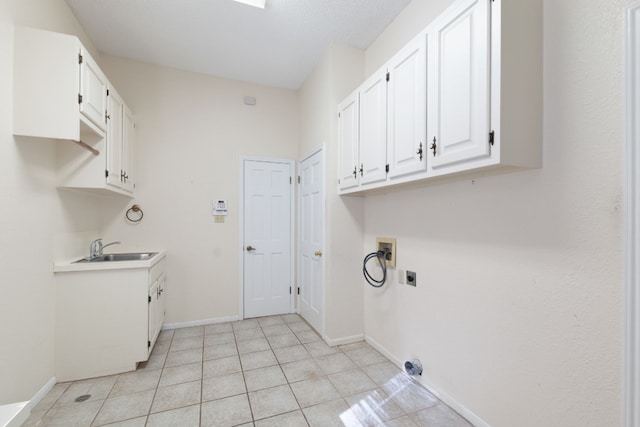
(71, 265)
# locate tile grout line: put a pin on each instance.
(244, 380)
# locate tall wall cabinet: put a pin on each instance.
(464, 94)
(61, 94)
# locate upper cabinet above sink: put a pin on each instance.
(59, 91)
(61, 94)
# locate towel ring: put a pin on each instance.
(137, 209)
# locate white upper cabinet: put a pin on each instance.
(93, 91)
(465, 94)
(115, 129)
(47, 88)
(407, 113)
(120, 143)
(348, 115)
(60, 93)
(373, 129)
(128, 150)
(459, 84)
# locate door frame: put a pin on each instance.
(632, 223)
(323, 151)
(292, 165)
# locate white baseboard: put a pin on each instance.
(444, 397)
(15, 414)
(342, 341)
(202, 322)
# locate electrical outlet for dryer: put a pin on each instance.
(387, 245)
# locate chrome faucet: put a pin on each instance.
(96, 248)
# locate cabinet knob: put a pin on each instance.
(318, 253)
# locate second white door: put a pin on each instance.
(267, 238)
(311, 241)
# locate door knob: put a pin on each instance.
(318, 253)
(250, 248)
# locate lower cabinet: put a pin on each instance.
(107, 321)
(156, 309)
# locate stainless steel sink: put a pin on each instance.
(137, 256)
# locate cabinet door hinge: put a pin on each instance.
(388, 76)
(107, 92)
(298, 290)
(492, 135)
(149, 300)
(386, 168)
(148, 344)
(289, 290)
(298, 179)
(80, 58)
(79, 98)
(339, 115)
(106, 173)
(290, 180)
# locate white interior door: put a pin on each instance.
(267, 238)
(311, 247)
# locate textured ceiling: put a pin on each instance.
(276, 46)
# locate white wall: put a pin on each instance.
(32, 214)
(518, 311)
(191, 131)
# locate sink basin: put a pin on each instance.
(137, 256)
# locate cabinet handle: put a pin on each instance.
(250, 248)
(355, 171)
(123, 176)
(419, 152)
(318, 253)
(434, 146)
(361, 169)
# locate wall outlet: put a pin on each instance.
(219, 219)
(411, 278)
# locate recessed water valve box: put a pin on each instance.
(388, 246)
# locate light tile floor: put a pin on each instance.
(272, 371)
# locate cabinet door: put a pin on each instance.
(459, 84)
(115, 125)
(349, 139)
(162, 284)
(373, 129)
(153, 314)
(407, 113)
(93, 91)
(128, 149)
